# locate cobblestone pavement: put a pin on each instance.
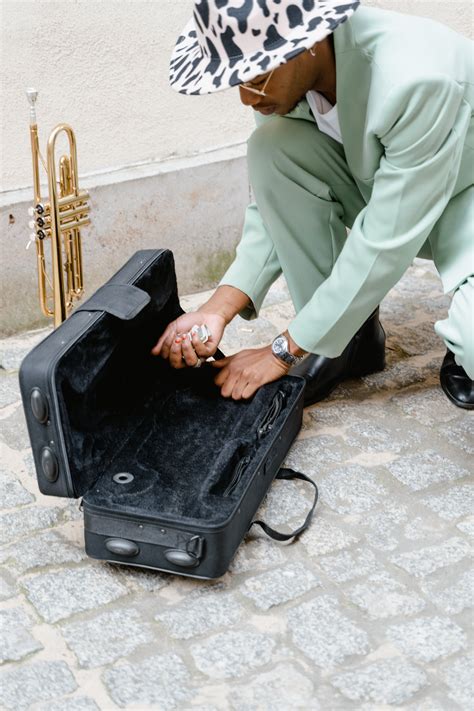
(369, 610)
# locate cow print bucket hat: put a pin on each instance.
(228, 42)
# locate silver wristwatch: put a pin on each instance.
(280, 350)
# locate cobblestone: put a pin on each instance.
(80, 703)
(346, 566)
(426, 705)
(315, 453)
(458, 676)
(426, 560)
(256, 554)
(143, 580)
(17, 642)
(454, 598)
(461, 432)
(38, 681)
(7, 586)
(382, 596)
(428, 406)
(9, 389)
(457, 502)
(395, 375)
(285, 501)
(418, 341)
(162, 680)
(324, 634)
(372, 437)
(388, 681)
(15, 348)
(106, 637)
(284, 687)
(279, 585)
(352, 490)
(427, 638)
(19, 523)
(420, 470)
(62, 593)
(421, 528)
(323, 537)
(232, 654)
(467, 526)
(44, 549)
(384, 533)
(13, 431)
(12, 493)
(201, 613)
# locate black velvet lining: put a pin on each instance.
(190, 451)
(185, 454)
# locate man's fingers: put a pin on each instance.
(176, 354)
(158, 345)
(249, 391)
(190, 355)
(204, 350)
(221, 376)
(163, 345)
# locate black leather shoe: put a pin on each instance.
(455, 382)
(364, 354)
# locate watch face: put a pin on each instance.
(280, 350)
(280, 345)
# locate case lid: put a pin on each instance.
(83, 386)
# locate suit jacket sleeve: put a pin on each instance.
(256, 264)
(422, 127)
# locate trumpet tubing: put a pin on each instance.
(58, 219)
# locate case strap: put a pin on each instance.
(122, 300)
(290, 474)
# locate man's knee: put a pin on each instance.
(263, 147)
(280, 144)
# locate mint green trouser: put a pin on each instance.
(305, 198)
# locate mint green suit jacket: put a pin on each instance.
(405, 97)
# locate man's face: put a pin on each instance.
(286, 87)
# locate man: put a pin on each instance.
(364, 121)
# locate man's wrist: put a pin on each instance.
(226, 301)
(282, 351)
(294, 347)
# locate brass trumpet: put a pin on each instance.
(60, 219)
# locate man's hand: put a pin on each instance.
(242, 374)
(180, 350)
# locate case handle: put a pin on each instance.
(290, 474)
(124, 301)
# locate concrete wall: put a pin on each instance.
(103, 68)
(163, 169)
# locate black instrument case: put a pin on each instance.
(170, 472)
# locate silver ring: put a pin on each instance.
(198, 363)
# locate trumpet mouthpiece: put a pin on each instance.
(32, 95)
